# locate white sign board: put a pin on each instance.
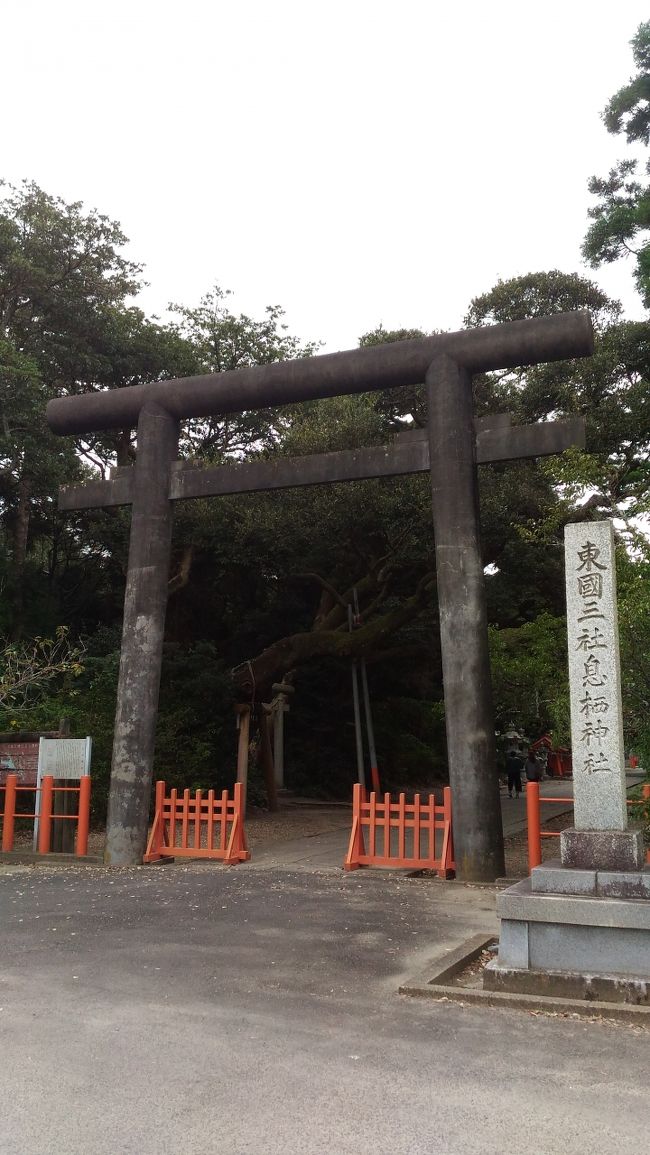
(67, 758)
(64, 757)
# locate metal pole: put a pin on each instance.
(478, 834)
(361, 773)
(278, 742)
(145, 603)
(374, 771)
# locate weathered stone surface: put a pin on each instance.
(553, 878)
(571, 933)
(594, 676)
(519, 903)
(602, 849)
(589, 949)
(567, 984)
(513, 943)
(623, 883)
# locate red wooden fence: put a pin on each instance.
(44, 798)
(400, 834)
(533, 814)
(198, 826)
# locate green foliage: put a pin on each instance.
(609, 389)
(621, 219)
(254, 571)
(65, 327)
(28, 669)
(633, 575)
(541, 295)
(223, 341)
(530, 678)
(398, 405)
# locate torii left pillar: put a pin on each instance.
(143, 630)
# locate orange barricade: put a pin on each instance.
(44, 812)
(533, 813)
(197, 826)
(386, 824)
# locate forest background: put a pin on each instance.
(263, 581)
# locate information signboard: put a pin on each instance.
(64, 757)
(67, 758)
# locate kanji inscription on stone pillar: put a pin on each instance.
(594, 677)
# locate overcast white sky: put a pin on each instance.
(356, 162)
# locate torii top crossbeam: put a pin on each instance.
(554, 338)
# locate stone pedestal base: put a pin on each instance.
(567, 985)
(570, 936)
(554, 878)
(602, 849)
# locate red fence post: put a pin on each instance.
(355, 847)
(9, 819)
(173, 810)
(534, 826)
(45, 814)
(157, 835)
(83, 816)
(236, 850)
(197, 820)
(446, 867)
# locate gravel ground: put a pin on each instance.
(516, 846)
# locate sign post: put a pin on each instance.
(67, 760)
(600, 837)
(579, 927)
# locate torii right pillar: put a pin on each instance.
(469, 715)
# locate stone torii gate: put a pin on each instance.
(451, 448)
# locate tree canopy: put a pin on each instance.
(621, 218)
(260, 584)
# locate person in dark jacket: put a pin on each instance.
(514, 766)
(532, 769)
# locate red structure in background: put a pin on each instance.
(559, 763)
(19, 752)
(21, 759)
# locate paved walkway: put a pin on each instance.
(169, 1010)
(328, 850)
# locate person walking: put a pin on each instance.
(514, 766)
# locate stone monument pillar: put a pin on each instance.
(600, 838)
(580, 925)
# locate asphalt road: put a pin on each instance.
(192, 1010)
